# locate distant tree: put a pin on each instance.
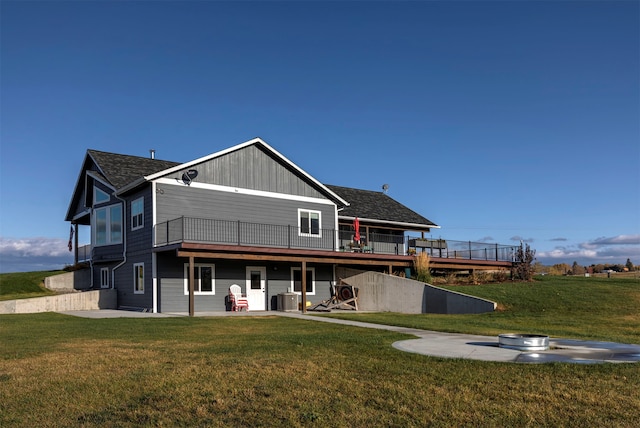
(599, 268)
(576, 269)
(559, 269)
(523, 268)
(615, 268)
(629, 265)
(539, 268)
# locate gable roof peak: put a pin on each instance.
(121, 170)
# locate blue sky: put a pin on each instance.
(499, 121)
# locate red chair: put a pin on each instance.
(238, 300)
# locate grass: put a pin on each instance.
(57, 370)
(23, 285)
(576, 307)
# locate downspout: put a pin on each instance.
(124, 241)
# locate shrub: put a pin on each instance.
(421, 266)
(523, 269)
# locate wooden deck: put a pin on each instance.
(388, 262)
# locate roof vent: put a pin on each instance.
(152, 153)
(385, 188)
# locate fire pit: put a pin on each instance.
(524, 342)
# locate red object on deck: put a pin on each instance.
(356, 226)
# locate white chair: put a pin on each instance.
(237, 299)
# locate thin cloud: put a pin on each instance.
(558, 239)
(33, 254)
(486, 239)
(616, 249)
(33, 247)
(615, 240)
(521, 239)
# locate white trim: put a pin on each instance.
(154, 282)
(94, 225)
(313, 281)
(188, 165)
(135, 278)
(241, 191)
(196, 292)
(104, 274)
(396, 223)
(310, 235)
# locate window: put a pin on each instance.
(104, 278)
(204, 278)
(309, 222)
(296, 280)
(138, 278)
(137, 214)
(108, 225)
(99, 196)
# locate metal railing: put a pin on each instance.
(84, 253)
(469, 250)
(229, 232)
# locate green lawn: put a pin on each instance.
(57, 370)
(23, 285)
(576, 307)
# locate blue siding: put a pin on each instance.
(172, 297)
(174, 201)
(252, 168)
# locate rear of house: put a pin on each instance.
(173, 237)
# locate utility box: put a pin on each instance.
(287, 302)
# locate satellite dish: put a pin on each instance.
(187, 177)
(385, 187)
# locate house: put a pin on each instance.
(173, 237)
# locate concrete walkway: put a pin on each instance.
(437, 344)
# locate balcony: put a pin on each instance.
(239, 233)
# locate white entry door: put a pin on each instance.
(256, 287)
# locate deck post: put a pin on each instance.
(303, 287)
(191, 286)
(75, 243)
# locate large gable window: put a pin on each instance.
(107, 228)
(99, 196)
(137, 214)
(309, 222)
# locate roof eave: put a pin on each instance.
(391, 222)
(132, 185)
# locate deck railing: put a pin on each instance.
(84, 253)
(228, 232)
(212, 231)
(450, 249)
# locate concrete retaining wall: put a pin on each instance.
(76, 280)
(386, 293)
(85, 301)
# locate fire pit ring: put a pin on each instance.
(524, 342)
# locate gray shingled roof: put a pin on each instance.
(121, 170)
(367, 204)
